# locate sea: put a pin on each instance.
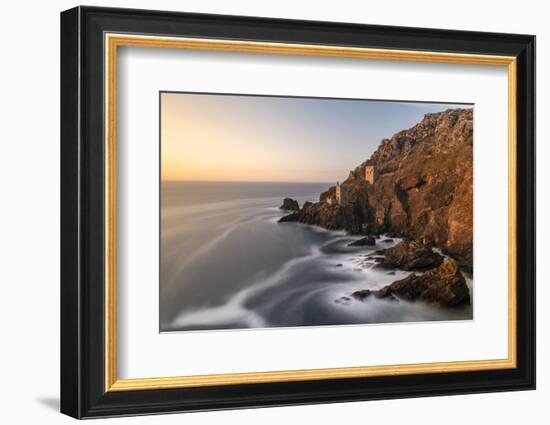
(226, 263)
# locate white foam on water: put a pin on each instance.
(234, 310)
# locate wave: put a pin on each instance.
(206, 247)
(340, 269)
(234, 310)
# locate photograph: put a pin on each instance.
(282, 211)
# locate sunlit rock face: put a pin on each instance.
(418, 184)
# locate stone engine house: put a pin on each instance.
(340, 195)
(369, 173)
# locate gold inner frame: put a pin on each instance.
(113, 41)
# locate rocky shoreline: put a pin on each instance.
(443, 285)
(420, 187)
(417, 186)
(435, 278)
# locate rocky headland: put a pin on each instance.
(417, 185)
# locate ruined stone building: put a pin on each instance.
(369, 173)
(341, 193)
(340, 196)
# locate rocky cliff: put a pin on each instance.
(422, 188)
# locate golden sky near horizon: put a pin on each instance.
(222, 138)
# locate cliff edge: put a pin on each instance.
(418, 184)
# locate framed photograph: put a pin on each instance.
(260, 212)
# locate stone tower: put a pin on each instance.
(369, 173)
(340, 194)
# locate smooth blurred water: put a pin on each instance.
(227, 264)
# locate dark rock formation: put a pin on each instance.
(443, 285)
(364, 293)
(290, 217)
(422, 188)
(366, 241)
(290, 204)
(411, 255)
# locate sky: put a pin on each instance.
(211, 137)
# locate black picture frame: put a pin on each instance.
(83, 392)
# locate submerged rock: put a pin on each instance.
(366, 241)
(343, 300)
(290, 205)
(411, 255)
(364, 293)
(443, 285)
